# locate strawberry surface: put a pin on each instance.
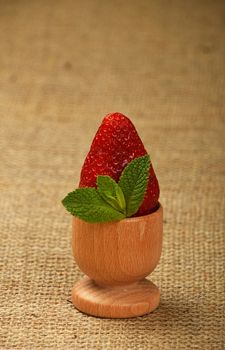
(116, 144)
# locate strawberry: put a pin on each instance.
(115, 144)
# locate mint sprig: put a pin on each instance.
(111, 201)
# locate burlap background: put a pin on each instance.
(63, 66)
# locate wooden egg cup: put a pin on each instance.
(117, 256)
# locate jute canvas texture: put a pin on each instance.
(63, 66)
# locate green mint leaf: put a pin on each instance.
(111, 192)
(133, 182)
(88, 205)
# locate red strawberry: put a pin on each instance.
(116, 143)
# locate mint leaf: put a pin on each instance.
(133, 182)
(88, 205)
(111, 192)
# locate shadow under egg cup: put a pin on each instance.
(116, 257)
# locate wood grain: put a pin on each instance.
(117, 256)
